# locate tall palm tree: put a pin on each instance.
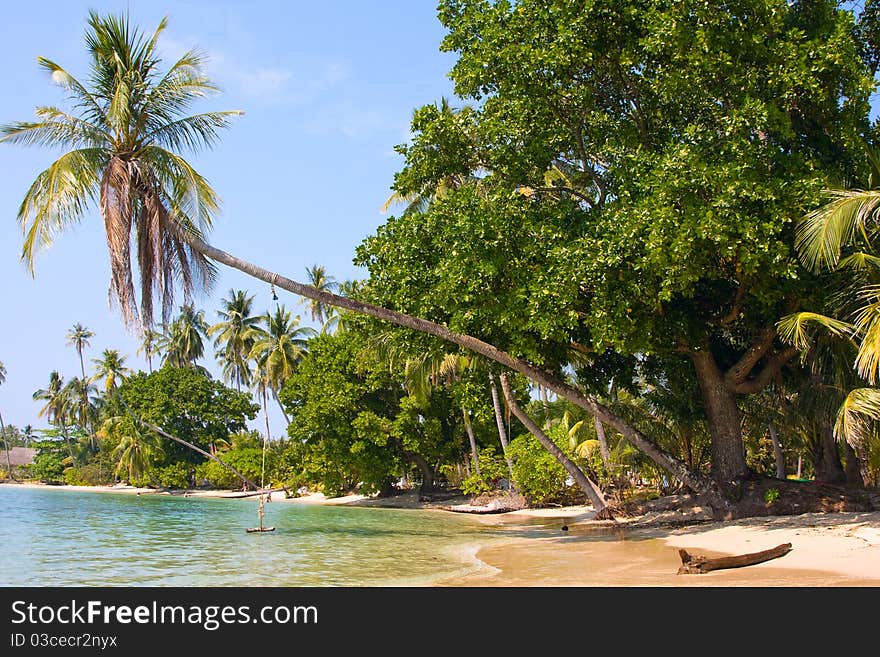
(121, 148)
(83, 415)
(78, 337)
(184, 341)
(318, 279)
(230, 337)
(56, 408)
(122, 145)
(278, 346)
(136, 450)
(3, 427)
(28, 433)
(150, 346)
(110, 368)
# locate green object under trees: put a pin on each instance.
(642, 167)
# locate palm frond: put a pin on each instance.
(58, 199)
(81, 97)
(859, 409)
(193, 132)
(825, 230)
(793, 328)
(860, 261)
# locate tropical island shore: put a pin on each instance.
(828, 549)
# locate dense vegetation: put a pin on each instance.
(617, 268)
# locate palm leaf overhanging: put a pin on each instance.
(840, 236)
(121, 139)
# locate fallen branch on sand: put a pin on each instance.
(692, 564)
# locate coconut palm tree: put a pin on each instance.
(83, 415)
(110, 368)
(28, 434)
(278, 346)
(842, 236)
(3, 427)
(78, 337)
(233, 348)
(318, 278)
(121, 147)
(136, 450)
(184, 341)
(56, 408)
(149, 347)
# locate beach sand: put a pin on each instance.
(837, 549)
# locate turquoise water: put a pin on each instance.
(72, 538)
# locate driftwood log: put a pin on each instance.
(692, 564)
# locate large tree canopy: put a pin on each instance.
(639, 169)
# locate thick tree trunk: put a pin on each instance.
(853, 467)
(419, 461)
(499, 422)
(777, 451)
(725, 422)
(6, 446)
(603, 443)
(694, 480)
(829, 469)
(687, 443)
(584, 483)
(472, 439)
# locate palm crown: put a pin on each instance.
(122, 137)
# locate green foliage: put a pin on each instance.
(49, 465)
(248, 461)
(539, 476)
(173, 475)
(493, 468)
(771, 495)
(90, 474)
(188, 403)
(353, 425)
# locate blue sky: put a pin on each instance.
(328, 90)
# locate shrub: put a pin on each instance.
(493, 468)
(175, 475)
(90, 474)
(48, 467)
(248, 461)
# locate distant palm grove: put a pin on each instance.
(635, 256)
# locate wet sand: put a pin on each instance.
(828, 550)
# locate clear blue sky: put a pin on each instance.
(328, 89)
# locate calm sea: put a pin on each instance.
(72, 538)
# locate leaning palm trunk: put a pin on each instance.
(472, 439)
(584, 483)
(696, 481)
(195, 448)
(499, 422)
(603, 443)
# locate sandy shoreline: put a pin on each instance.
(828, 549)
